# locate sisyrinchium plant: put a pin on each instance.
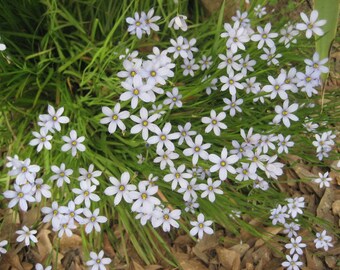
(142, 116)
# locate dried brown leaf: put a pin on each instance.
(230, 259)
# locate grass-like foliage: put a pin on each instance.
(71, 54)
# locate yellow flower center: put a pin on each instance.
(315, 65)
(245, 172)
(144, 196)
(133, 73)
(43, 139)
(178, 48)
(20, 194)
(308, 79)
(62, 174)
(264, 36)
(189, 187)
(166, 217)
(89, 175)
(310, 26)
(231, 81)
(121, 188)
(277, 87)
(284, 112)
(115, 117)
(177, 175)
(138, 23)
(201, 225)
(233, 104)
(98, 261)
(86, 193)
(54, 118)
(229, 61)
(210, 188)
(145, 123)
(163, 137)
(55, 212)
(223, 163)
(214, 122)
(197, 148)
(72, 214)
(74, 143)
(136, 92)
(93, 219)
(153, 73)
(165, 157)
(24, 169)
(184, 133)
(174, 99)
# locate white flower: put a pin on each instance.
(211, 86)
(191, 205)
(191, 49)
(137, 25)
(291, 229)
(288, 34)
(166, 218)
(150, 181)
(237, 35)
(285, 113)
(65, 227)
(92, 220)
(89, 175)
(141, 159)
(61, 174)
(177, 176)
(185, 133)
(20, 194)
(260, 11)
(174, 98)
(97, 261)
(12, 161)
(210, 189)
(136, 90)
(317, 64)
(71, 212)
(42, 140)
(223, 163)
(232, 105)
(246, 172)
(279, 214)
(179, 22)
(189, 189)
(264, 36)
(2, 249)
(85, 194)
(53, 119)
(310, 126)
(267, 142)
(273, 169)
(149, 21)
(311, 25)
(40, 189)
(205, 62)
(197, 149)
(189, 67)
(214, 122)
(323, 240)
(155, 74)
(73, 143)
(323, 180)
(231, 82)
(163, 137)
(52, 214)
(179, 48)
(277, 87)
(165, 158)
(144, 197)
(2, 47)
(292, 263)
(295, 245)
(284, 143)
(201, 226)
(24, 171)
(144, 123)
(39, 266)
(230, 61)
(308, 81)
(132, 68)
(246, 65)
(26, 235)
(121, 189)
(114, 118)
(270, 56)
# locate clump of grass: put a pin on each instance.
(67, 53)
